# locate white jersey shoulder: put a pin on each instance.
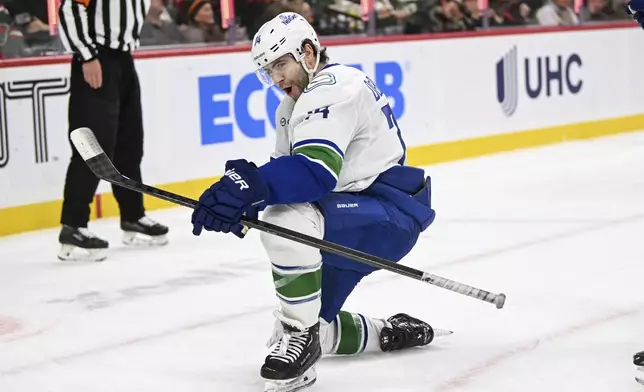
(282, 127)
(333, 85)
(344, 123)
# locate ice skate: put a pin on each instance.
(290, 365)
(144, 232)
(638, 361)
(80, 244)
(405, 332)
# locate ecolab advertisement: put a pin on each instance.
(200, 111)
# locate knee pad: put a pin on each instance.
(304, 218)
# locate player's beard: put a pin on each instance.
(301, 83)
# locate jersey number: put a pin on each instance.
(391, 120)
(324, 111)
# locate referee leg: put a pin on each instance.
(98, 110)
(128, 152)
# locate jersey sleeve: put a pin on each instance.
(75, 24)
(326, 119)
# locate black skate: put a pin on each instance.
(638, 360)
(290, 366)
(405, 332)
(78, 243)
(145, 231)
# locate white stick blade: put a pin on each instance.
(86, 143)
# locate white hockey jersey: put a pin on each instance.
(343, 122)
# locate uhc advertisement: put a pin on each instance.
(530, 77)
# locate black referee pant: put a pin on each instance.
(113, 112)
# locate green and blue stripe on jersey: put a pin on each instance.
(307, 175)
(321, 151)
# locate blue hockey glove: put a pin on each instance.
(634, 6)
(635, 9)
(240, 191)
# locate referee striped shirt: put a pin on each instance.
(114, 24)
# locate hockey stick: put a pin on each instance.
(93, 154)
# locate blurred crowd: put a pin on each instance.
(25, 29)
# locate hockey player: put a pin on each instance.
(338, 172)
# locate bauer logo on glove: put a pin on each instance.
(240, 191)
(237, 179)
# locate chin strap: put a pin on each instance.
(311, 72)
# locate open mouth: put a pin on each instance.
(288, 90)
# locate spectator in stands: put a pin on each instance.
(29, 12)
(248, 11)
(30, 31)
(337, 17)
(619, 6)
(172, 7)
(307, 12)
(557, 13)
(201, 24)
(271, 11)
(159, 28)
(418, 21)
(598, 10)
(11, 39)
(257, 12)
(473, 14)
(392, 15)
(436, 17)
(301, 7)
(448, 16)
(511, 12)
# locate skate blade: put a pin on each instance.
(74, 253)
(442, 332)
(639, 376)
(134, 238)
(294, 384)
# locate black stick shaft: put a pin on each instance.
(104, 169)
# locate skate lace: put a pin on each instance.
(86, 232)
(290, 347)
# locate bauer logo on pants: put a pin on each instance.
(36, 91)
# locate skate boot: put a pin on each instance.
(80, 244)
(290, 366)
(145, 231)
(405, 332)
(638, 361)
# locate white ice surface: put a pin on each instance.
(559, 229)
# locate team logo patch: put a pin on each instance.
(288, 19)
(323, 79)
